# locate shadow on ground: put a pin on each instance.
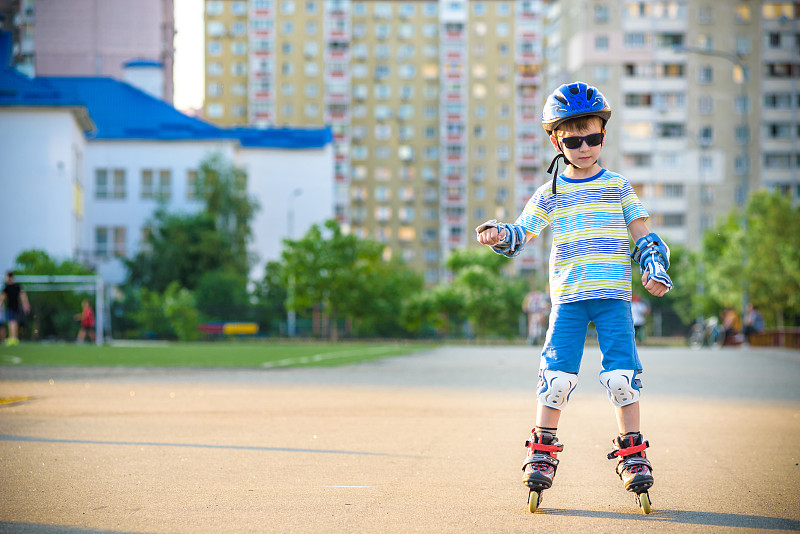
(687, 517)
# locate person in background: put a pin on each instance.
(753, 322)
(86, 317)
(732, 325)
(639, 310)
(536, 305)
(17, 306)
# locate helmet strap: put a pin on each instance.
(554, 163)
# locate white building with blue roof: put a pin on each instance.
(84, 160)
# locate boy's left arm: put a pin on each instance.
(652, 255)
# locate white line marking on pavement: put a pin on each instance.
(286, 362)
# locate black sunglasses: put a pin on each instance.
(576, 142)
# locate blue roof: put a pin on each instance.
(121, 111)
(141, 62)
(18, 90)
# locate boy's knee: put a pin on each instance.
(622, 385)
(555, 388)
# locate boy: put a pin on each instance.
(591, 211)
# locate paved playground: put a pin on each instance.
(426, 443)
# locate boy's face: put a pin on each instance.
(584, 156)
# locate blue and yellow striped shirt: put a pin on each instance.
(590, 256)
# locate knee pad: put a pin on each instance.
(555, 388)
(622, 385)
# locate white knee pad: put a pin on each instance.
(555, 387)
(622, 385)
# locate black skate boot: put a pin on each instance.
(633, 467)
(540, 465)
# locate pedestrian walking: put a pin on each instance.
(17, 306)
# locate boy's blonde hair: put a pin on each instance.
(578, 124)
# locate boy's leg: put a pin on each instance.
(561, 357)
(628, 419)
(621, 364)
(546, 417)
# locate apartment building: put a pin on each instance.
(705, 97)
(94, 38)
(434, 107)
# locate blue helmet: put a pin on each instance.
(575, 99)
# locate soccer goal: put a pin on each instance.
(69, 282)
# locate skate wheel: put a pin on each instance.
(644, 502)
(534, 500)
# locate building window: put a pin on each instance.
(705, 74)
(779, 130)
(115, 188)
(239, 8)
(215, 111)
(215, 29)
(705, 15)
(191, 185)
(635, 40)
(600, 13)
(705, 105)
(215, 68)
(215, 7)
(147, 190)
(601, 42)
(777, 161)
(214, 48)
(104, 247)
(673, 190)
(165, 184)
(742, 13)
(101, 242)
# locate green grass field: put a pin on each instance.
(253, 354)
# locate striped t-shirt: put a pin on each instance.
(590, 256)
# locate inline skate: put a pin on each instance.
(540, 465)
(633, 467)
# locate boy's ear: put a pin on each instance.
(554, 142)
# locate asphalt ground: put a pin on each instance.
(431, 442)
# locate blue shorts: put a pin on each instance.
(566, 335)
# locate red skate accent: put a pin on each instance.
(629, 451)
(544, 448)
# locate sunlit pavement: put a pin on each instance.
(426, 443)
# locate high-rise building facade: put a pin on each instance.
(435, 107)
(705, 96)
(94, 38)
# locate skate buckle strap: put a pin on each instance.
(622, 453)
(544, 448)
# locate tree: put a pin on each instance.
(491, 299)
(761, 260)
(772, 268)
(180, 248)
(223, 187)
(183, 247)
(386, 288)
(222, 295)
(271, 294)
(347, 277)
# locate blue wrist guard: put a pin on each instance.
(652, 254)
(513, 241)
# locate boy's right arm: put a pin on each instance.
(504, 238)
